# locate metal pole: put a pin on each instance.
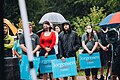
(23, 12)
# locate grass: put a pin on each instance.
(82, 73)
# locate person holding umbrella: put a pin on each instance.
(105, 51)
(47, 42)
(113, 21)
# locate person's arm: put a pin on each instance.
(38, 46)
(108, 45)
(95, 46)
(14, 48)
(52, 44)
(36, 49)
(11, 43)
(53, 40)
(96, 43)
(22, 43)
(103, 47)
(100, 43)
(60, 46)
(23, 47)
(85, 47)
(83, 43)
(77, 43)
(19, 56)
(41, 43)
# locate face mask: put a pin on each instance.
(104, 28)
(89, 30)
(19, 34)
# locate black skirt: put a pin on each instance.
(43, 51)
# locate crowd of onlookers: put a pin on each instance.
(64, 42)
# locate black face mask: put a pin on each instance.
(19, 34)
(104, 28)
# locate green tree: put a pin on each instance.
(68, 8)
(11, 10)
(93, 18)
(112, 6)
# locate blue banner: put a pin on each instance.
(24, 67)
(89, 61)
(64, 69)
(45, 63)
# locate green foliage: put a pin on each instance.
(112, 6)
(20, 25)
(68, 8)
(93, 19)
(11, 10)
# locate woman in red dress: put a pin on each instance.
(47, 42)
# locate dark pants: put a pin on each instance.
(42, 53)
(8, 53)
(94, 71)
(103, 57)
(116, 69)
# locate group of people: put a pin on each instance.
(63, 42)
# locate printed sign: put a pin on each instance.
(64, 69)
(45, 63)
(24, 67)
(89, 61)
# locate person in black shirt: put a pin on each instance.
(68, 43)
(105, 50)
(34, 40)
(35, 46)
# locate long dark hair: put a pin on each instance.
(59, 27)
(48, 23)
(91, 36)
